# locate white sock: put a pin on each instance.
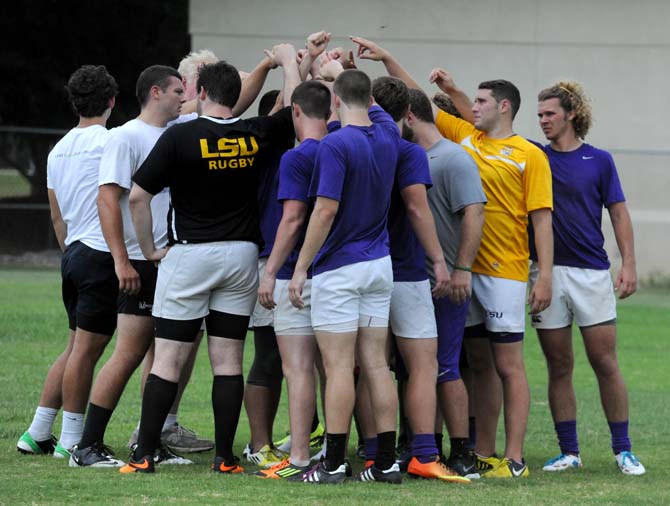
(43, 422)
(73, 428)
(170, 420)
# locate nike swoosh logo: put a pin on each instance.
(141, 465)
(587, 157)
(519, 472)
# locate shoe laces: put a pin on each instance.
(628, 456)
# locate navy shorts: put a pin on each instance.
(141, 303)
(450, 319)
(90, 289)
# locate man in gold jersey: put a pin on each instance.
(517, 182)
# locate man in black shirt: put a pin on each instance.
(212, 166)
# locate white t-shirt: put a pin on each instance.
(72, 173)
(128, 146)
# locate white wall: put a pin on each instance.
(619, 50)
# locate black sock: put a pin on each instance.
(459, 447)
(315, 420)
(439, 442)
(159, 394)
(385, 450)
(95, 426)
(227, 395)
(336, 447)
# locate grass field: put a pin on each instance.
(33, 332)
(13, 184)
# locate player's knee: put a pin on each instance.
(560, 365)
(265, 370)
(604, 365)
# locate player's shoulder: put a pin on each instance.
(589, 150)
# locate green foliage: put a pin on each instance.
(34, 330)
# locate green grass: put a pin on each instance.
(33, 333)
(13, 184)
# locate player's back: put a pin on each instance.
(356, 166)
(72, 173)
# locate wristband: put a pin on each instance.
(462, 268)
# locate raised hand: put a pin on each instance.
(368, 50)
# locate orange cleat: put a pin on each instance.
(434, 470)
(144, 465)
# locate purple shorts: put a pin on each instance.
(450, 319)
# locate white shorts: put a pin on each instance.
(289, 320)
(194, 278)
(498, 303)
(585, 296)
(261, 317)
(412, 311)
(350, 292)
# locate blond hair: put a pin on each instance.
(572, 98)
(191, 63)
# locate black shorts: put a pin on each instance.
(141, 303)
(90, 289)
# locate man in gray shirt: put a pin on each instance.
(457, 202)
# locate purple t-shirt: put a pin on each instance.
(407, 254)
(295, 174)
(356, 166)
(270, 210)
(584, 180)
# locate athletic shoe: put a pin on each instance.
(486, 464)
(283, 470)
(143, 465)
(232, 467)
(464, 465)
(28, 446)
(96, 455)
(284, 444)
(316, 437)
(507, 468)
(403, 460)
(60, 452)
(132, 442)
(246, 451)
(165, 456)
(180, 439)
(629, 464)
(360, 451)
(321, 454)
(318, 474)
(434, 470)
(265, 457)
(562, 462)
(372, 473)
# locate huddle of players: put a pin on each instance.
(348, 257)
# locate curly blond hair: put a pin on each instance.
(573, 98)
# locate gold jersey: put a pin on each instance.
(517, 180)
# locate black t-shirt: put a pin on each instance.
(213, 167)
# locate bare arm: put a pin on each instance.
(111, 223)
(252, 86)
(460, 99)
(285, 55)
(320, 223)
(60, 228)
(316, 44)
(626, 281)
(294, 213)
(416, 205)
(460, 287)
(540, 296)
(140, 211)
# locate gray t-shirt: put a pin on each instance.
(456, 184)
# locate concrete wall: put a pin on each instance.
(619, 50)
